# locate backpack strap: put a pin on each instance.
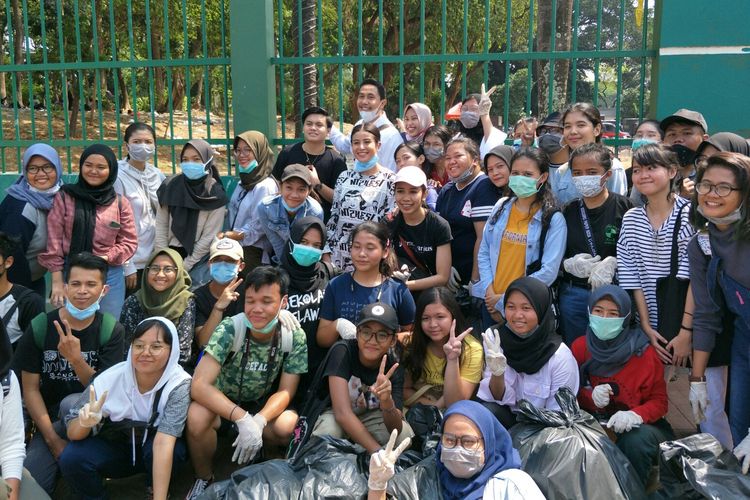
(108, 326)
(39, 329)
(287, 340)
(537, 264)
(238, 322)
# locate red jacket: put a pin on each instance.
(640, 385)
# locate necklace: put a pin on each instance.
(315, 157)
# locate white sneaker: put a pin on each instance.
(199, 486)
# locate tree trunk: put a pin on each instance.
(18, 41)
(74, 100)
(309, 83)
(124, 96)
(544, 35)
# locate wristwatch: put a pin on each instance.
(317, 186)
(696, 379)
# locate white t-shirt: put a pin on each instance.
(512, 484)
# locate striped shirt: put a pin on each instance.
(643, 253)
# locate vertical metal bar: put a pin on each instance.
(339, 10)
(380, 38)
(421, 50)
(598, 61)
(29, 74)
(63, 79)
(464, 50)
(97, 76)
(300, 66)
(150, 70)
(360, 48)
(170, 101)
(225, 98)
(644, 46)
(186, 57)
(206, 73)
(133, 72)
(401, 53)
(529, 62)
(552, 48)
(79, 58)
(282, 73)
(45, 60)
(486, 72)
(574, 70)
(116, 77)
(15, 88)
(618, 98)
(321, 67)
(443, 51)
(508, 30)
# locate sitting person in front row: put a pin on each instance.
(365, 383)
(142, 405)
(475, 459)
(248, 375)
(526, 358)
(622, 378)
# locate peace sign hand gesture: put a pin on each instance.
(91, 413)
(452, 347)
(485, 103)
(229, 294)
(69, 345)
(382, 463)
(382, 387)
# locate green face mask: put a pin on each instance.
(606, 328)
(523, 186)
(266, 329)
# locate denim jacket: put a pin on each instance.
(275, 222)
(489, 249)
(565, 191)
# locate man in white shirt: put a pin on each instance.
(371, 103)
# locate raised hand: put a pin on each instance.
(288, 320)
(493, 352)
(452, 348)
(91, 413)
(382, 387)
(69, 345)
(485, 103)
(229, 295)
(382, 463)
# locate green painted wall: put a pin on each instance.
(717, 85)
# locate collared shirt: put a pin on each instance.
(139, 187)
(274, 219)
(390, 139)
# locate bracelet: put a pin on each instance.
(691, 378)
(232, 412)
(683, 327)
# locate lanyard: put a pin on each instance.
(587, 227)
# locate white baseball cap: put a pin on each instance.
(414, 176)
(226, 246)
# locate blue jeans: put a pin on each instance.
(112, 302)
(86, 463)
(574, 311)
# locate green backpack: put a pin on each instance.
(39, 327)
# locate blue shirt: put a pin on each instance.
(274, 219)
(345, 298)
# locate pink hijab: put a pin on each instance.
(424, 115)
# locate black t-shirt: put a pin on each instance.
(423, 239)
(605, 222)
(329, 165)
(343, 362)
(17, 308)
(57, 377)
(205, 302)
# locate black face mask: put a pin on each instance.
(550, 142)
(685, 156)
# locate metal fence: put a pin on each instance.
(541, 53)
(76, 72)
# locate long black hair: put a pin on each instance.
(380, 231)
(544, 198)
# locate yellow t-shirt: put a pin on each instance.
(511, 263)
(470, 365)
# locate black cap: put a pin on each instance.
(684, 116)
(380, 313)
(552, 120)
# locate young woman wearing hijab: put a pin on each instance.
(525, 358)
(89, 216)
(165, 291)
(622, 378)
(308, 279)
(475, 460)
(138, 408)
(497, 168)
(191, 208)
(254, 165)
(23, 214)
(138, 180)
(722, 142)
(417, 119)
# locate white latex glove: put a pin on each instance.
(485, 103)
(382, 462)
(493, 352)
(698, 401)
(454, 281)
(623, 421)
(601, 394)
(288, 320)
(346, 329)
(403, 274)
(603, 273)
(580, 264)
(91, 413)
(742, 452)
(250, 438)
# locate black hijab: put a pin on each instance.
(88, 197)
(186, 198)
(528, 354)
(304, 278)
(727, 141)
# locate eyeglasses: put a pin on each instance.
(381, 336)
(243, 152)
(723, 189)
(165, 269)
(468, 442)
(153, 349)
(47, 169)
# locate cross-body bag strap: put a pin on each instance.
(587, 227)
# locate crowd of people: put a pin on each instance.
(445, 268)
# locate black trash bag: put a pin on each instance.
(417, 482)
(698, 467)
(273, 479)
(569, 455)
(425, 421)
(330, 468)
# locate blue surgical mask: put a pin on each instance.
(193, 170)
(249, 168)
(266, 329)
(304, 255)
(223, 272)
(606, 328)
(81, 314)
(638, 143)
(364, 166)
(523, 186)
(293, 210)
(517, 143)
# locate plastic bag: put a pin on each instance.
(425, 421)
(419, 481)
(569, 455)
(698, 467)
(273, 479)
(330, 468)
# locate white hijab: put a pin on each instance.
(125, 401)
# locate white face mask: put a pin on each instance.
(368, 116)
(141, 152)
(462, 463)
(588, 185)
